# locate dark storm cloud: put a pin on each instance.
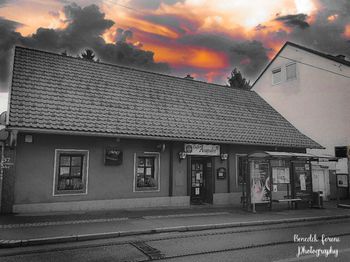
(3, 2)
(248, 56)
(123, 35)
(8, 38)
(324, 35)
(298, 20)
(154, 4)
(84, 30)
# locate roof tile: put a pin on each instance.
(56, 92)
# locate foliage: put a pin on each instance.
(88, 54)
(237, 80)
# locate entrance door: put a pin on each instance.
(320, 181)
(201, 180)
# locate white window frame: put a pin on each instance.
(237, 167)
(85, 171)
(275, 70)
(296, 73)
(156, 170)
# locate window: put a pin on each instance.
(70, 172)
(146, 172)
(291, 71)
(276, 76)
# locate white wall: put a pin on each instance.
(317, 102)
(3, 102)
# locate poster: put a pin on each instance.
(260, 182)
(342, 180)
(280, 175)
(302, 182)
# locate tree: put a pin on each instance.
(237, 80)
(88, 54)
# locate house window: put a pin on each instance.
(291, 71)
(146, 172)
(276, 76)
(70, 172)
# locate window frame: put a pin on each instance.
(156, 167)
(275, 70)
(296, 74)
(84, 171)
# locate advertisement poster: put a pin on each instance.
(342, 180)
(280, 175)
(260, 182)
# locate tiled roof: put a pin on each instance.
(57, 93)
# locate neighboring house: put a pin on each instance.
(312, 91)
(90, 135)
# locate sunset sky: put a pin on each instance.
(204, 38)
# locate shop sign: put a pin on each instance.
(202, 150)
(113, 156)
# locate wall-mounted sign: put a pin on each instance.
(113, 156)
(221, 173)
(342, 180)
(202, 150)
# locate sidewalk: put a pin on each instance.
(17, 230)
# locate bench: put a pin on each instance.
(288, 200)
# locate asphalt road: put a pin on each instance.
(280, 243)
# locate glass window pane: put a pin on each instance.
(291, 71)
(65, 161)
(64, 171)
(76, 161)
(141, 161)
(76, 171)
(276, 76)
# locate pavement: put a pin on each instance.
(37, 229)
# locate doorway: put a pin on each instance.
(201, 180)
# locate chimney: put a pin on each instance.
(189, 77)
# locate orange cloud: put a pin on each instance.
(189, 56)
(347, 31)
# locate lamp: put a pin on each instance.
(223, 157)
(182, 155)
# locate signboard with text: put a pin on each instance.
(202, 150)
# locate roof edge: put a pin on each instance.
(313, 51)
(163, 138)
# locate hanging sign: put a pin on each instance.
(202, 150)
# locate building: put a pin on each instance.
(87, 136)
(312, 91)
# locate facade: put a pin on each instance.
(91, 136)
(311, 90)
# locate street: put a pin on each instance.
(326, 240)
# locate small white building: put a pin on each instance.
(311, 90)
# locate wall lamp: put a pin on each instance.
(223, 157)
(182, 155)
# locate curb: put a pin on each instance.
(86, 237)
